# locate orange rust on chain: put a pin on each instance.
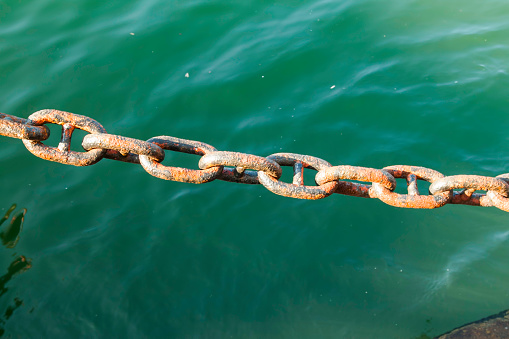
(19, 128)
(115, 155)
(69, 122)
(470, 183)
(248, 177)
(123, 145)
(413, 199)
(497, 200)
(298, 191)
(247, 161)
(353, 189)
(153, 167)
(252, 169)
(355, 173)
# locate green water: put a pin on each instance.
(114, 252)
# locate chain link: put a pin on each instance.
(252, 169)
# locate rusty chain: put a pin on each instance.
(252, 169)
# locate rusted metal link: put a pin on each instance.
(153, 167)
(123, 145)
(236, 159)
(475, 182)
(299, 190)
(62, 153)
(413, 199)
(470, 183)
(355, 173)
(19, 128)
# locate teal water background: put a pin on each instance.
(118, 253)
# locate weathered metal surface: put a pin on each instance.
(465, 197)
(252, 169)
(413, 199)
(248, 177)
(115, 155)
(63, 154)
(153, 167)
(19, 128)
(493, 327)
(247, 161)
(298, 191)
(495, 199)
(475, 182)
(353, 189)
(123, 145)
(356, 173)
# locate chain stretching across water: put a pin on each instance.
(252, 169)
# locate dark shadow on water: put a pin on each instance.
(9, 234)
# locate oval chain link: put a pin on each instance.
(126, 149)
(355, 173)
(413, 199)
(297, 189)
(241, 161)
(153, 166)
(497, 190)
(63, 153)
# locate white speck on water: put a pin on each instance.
(456, 82)
(210, 72)
(366, 292)
(385, 36)
(131, 33)
(263, 76)
(401, 270)
(333, 86)
(187, 75)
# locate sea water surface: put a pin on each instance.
(110, 251)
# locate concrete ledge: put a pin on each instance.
(492, 327)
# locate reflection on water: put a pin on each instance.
(10, 237)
